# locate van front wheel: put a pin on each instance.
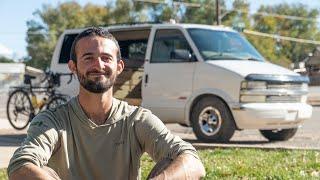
(212, 120)
(279, 135)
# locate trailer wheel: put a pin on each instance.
(279, 135)
(212, 120)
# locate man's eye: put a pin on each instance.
(88, 58)
(106, 58)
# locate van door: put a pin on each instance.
(168, 77)
(59, 61)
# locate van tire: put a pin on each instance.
(214, 111)
(279, 135)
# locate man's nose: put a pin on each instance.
(99, 62)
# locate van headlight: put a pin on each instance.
(263, 92)
(253, 85)
(247, 86)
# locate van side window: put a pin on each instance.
(66, 48)
(171, 46)
(133, 52)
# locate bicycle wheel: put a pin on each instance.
(19, 109)
(55, 102)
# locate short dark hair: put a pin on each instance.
(93, 31)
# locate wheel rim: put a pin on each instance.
(19, 110)
(210, 121)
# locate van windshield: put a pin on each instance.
(223, 45)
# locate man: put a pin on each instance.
(95, 136)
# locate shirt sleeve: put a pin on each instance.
(157, 140)
(38, 146)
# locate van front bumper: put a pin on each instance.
(271, 115)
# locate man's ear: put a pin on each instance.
(120, 66)
(72, 66)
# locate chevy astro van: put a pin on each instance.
(207, 77)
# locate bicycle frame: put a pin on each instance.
(50, 98)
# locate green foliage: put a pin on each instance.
(5, 60)
(238, 17)
(205, 14)
(42, 35)
(3, 174)
(285, 51)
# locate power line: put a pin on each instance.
(187, 4)
(151, 1)
(276, 36)
(280, 16)
(197, 5)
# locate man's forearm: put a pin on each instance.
(31, 171)
(185, 166)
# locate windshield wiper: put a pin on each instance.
(253, 59)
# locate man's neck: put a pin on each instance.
(96, 106)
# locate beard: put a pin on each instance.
(97, 85)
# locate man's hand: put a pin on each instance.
(185, 166)
(31, 171)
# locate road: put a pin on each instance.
(307, 137)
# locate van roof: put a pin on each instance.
(149, 26)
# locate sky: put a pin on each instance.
(15, 13)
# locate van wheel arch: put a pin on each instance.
(197, 99)
(211, 119)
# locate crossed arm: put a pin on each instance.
(185, 166)
(31, 171)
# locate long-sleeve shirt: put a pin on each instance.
(66, 140)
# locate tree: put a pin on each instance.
(279, 51)
(205, 14)
(126, 11)
(4, 59)
(42, 35)
(238, 16)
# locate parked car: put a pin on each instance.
(207, 77)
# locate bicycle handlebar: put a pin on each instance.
(66, 74)
(54, 78)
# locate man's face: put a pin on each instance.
(97, 67)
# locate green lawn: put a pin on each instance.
(237, 163)
(3, 174)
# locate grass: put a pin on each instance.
(261, 164)
(236, 163)
(3, 174)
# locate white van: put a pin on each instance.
(207, 77)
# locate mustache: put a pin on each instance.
(97, 71)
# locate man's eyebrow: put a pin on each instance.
(87, 54)
(90, 54)
(106, 54)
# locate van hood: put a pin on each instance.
(245, 68)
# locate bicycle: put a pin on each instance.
(23, 101)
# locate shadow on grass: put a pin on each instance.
(11, 139)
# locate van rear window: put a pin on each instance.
(130, 49)
(66, 48)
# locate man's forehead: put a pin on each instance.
(95, 41)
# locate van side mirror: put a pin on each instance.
(181, 54)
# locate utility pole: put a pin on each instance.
(218, 12)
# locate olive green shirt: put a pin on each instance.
(66, 140)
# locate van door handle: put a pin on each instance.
(146, 79)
